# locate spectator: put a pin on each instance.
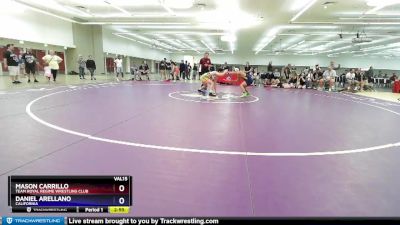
(267, 77)
(342, 78)
(286, 71)
(226, 67)
(163, 69)
(188, 71)
(91, 66)
(275, 81)
(118, 67)
(21, 63)
(301, 82)
(393, 78)
(185, 74)
(269, 67)
(212, 67)
(11, 63)
(248, 69)
(277, 75)
(370, 74)
(306, 69)
(169, 70)
(364, 80)
(293, 80)
(182, 70)
(317, 72)
(358, 79)
(81, 65)
(309, 77)
(256, 76)
(328, 77)
(52, 61)
(195, 71)
(350, 80)
(175, 69)
(30, 65)
(134, 71)
(316, 68)
(144, 70)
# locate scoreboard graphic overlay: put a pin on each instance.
(75, 194)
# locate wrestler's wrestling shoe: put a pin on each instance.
(245, 94)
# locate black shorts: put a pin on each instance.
(270, 76)
(264, 76)
(30, 69)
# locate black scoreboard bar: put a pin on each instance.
(90, 194)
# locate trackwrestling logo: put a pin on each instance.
(33, 220)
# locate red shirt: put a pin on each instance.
(205, 64)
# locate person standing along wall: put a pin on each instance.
(11, 63)
(82, 65)
(118, 67)
(175, 71)
(270, 69)
(52, 60)
(30, 65)
(91, 66)
(144, 70)
(163, 69)
(185, 74)
(195, 69)
(170, 70)
(182, 70)
(188, 71)
(21, 63)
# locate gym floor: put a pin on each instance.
(276, 153)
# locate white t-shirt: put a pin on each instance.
(329, 74)
(350, 76)
(53, 61)
(118, 62)
(309, 76)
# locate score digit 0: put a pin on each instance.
(121, 200)
(121, 188)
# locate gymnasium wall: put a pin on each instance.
(88, 41)
(25, 24)
(37, 29)
(347, 61)
(117, 45)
